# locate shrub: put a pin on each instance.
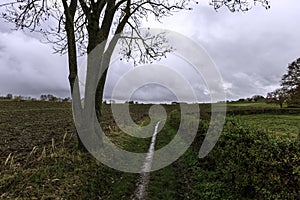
(256, 164)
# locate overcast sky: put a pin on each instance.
(251, 50)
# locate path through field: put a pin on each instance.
(143, 182)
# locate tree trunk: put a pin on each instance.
(99, 95)
(99, 35)
(72, 57)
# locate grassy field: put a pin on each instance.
(39, 159)
(252, 104)
(267, 117)
(280, 125)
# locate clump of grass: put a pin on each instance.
(56, 171)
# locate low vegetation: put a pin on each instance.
(282, 125)
(250, 160)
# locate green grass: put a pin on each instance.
(163, 182)
(281, 125)
(64, 173)
(253, 104)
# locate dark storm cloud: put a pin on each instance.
(149, 92)
(28, 67)
(252, 49)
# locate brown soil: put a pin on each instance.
(28, 124)
(24, 125)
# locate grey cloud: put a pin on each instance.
(28, 67)
(259, 44)
(154, 93)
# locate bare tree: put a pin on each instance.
(80, 25)
(291, 82)
(279, 96)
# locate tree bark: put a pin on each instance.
(98, 35)
(72, 57)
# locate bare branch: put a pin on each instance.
(144, 47)
(238, 5)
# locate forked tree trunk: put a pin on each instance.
(96, 36)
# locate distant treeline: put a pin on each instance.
(43, 97)
(255, 98)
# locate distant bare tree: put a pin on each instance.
(9, 96)
(279, 96)
(43, 97)
(258, 98)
